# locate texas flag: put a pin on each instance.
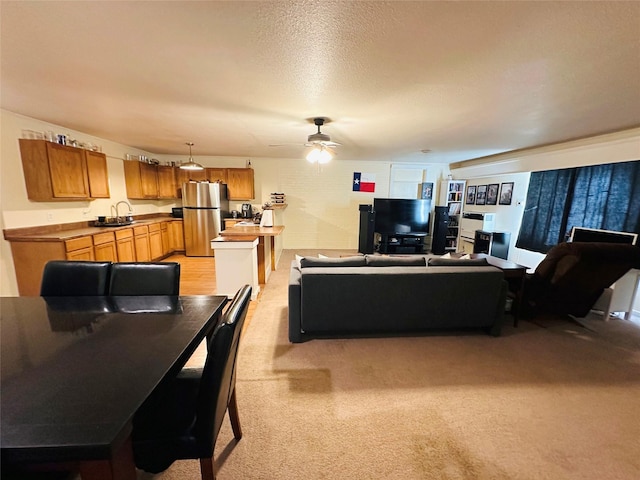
(364, 182)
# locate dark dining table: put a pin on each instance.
(74, 371)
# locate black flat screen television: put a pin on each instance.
(398, 216)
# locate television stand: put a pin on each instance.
(390, 243)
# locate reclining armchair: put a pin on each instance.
(574, 275)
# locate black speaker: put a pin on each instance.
(440, 225)
(367, 224)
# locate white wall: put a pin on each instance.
(508, 217)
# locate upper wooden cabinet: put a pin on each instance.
(147, 181)
(240, 184)
(167, 184)
(217, 174)
(57, 172)
(98, 174)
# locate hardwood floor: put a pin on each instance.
(198, 277)
(197, 274)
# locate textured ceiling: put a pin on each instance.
(462, 79)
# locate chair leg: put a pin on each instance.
(233, 416)
(206, 469)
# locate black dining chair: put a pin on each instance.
(65, 278)
(182, 420)
(144, 278)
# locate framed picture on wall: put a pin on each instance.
(471, 195)
(506, 193)
(481, 195)
(426, 190)
(492, 193)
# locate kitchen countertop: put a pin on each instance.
(255, 230)
(68, 231)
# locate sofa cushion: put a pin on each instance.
(457, 262)
(381, 261)
(355, 261)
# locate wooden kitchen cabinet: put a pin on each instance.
(185, 176)
(147, 181)
(164, 233)
(98, 174)
(125, 246)
(54, 172)
(79, 248)
(176, 236)
(230, 222)
(217, 175)
(155, 241)
(33, 247)
(104, 247)
(141, 240)
(240, 184)
(141, 180)
(167, 182)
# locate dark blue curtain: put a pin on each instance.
(600, 196)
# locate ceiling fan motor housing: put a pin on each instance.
(318, 137)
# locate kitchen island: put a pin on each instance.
(268, 255)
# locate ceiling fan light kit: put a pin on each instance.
(191, 164)
(319, 154)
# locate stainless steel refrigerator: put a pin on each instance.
(204, 207)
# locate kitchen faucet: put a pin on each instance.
(118, 204)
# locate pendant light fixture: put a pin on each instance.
(191, 165)
(319, 154)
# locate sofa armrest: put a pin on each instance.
(295, 302)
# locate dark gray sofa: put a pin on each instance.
(372, 294)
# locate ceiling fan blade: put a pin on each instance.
(324, 143)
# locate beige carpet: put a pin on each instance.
(550, 400)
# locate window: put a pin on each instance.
(600, 196)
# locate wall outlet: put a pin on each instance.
(49, 217)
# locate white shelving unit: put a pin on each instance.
(452, 196)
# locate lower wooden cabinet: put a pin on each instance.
(164, 232)
(79, 249)
(139, 243)
(104, 247)
(125, 246)
(230, 222)
(141, 240)
(176, 236)
(155, 241)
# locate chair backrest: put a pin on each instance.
(218, 379)
(573, 275)
(144, 278)
(64, 278)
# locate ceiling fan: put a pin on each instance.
(321, 145)
(317, 138)
(320, 138)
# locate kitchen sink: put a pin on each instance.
(113, 221)
(105, 224)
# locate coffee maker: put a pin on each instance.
(246, 210)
